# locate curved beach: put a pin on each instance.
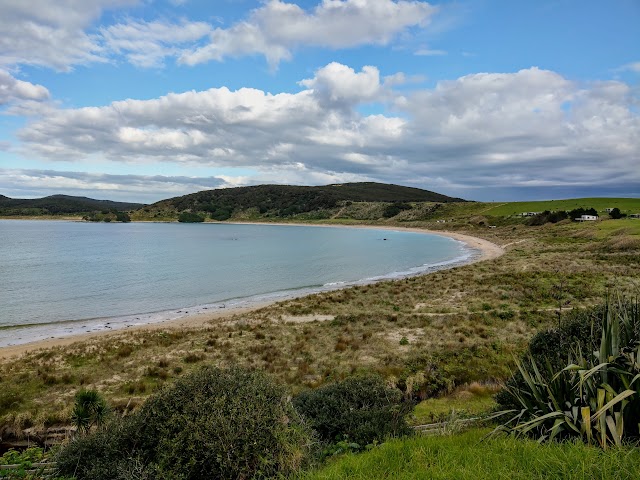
(485, 250)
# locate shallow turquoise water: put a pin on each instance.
(59, 275)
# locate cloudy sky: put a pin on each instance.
(142, 100)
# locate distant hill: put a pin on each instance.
(60, 205)
(288, 200)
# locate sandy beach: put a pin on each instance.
(486, 251)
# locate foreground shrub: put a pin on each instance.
(596, 396)
(361, 409)
(212, 423)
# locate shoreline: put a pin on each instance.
(486, 251)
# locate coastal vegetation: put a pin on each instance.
(211, 423)
(471, 455)
(61, 205)
(445, 342)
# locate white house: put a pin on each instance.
(587, 218)
(634, 215)
(608, 210)
(529, 214)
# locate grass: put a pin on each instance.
(467, 455)
(466, 401)
(626, 205)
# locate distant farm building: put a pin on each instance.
(608, 210)
(634, 215)
(529, 214)
(587, 218)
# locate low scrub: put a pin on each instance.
(212, 423)
(362, 410)
(596, 396)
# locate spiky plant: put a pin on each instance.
(596, 396)
(90, 409)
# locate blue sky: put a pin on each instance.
(488, 100)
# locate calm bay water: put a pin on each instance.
(60, 278)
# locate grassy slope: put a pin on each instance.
(626, 205)
(469, 456)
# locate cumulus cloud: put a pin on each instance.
(12, 89)
(51, 34)
(62, 34)
(338, 84)
(278, 27)
(498, 130)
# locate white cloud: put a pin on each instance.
(12, 89)
(51, 34)
(277, 28)
(427, 52)
(339, 84)
(147, 44)
(497, 130)
(630, 67)
(21, 183)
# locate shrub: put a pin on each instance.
(596, 396)
(188, 217)
(394, 209)
(221, 214)
(212, 423)
(580, 329)
(616, 214)
(123, 217)
(361, 409)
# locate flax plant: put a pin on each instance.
(596, 397)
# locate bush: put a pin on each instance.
(212, 423)
(221, 214)
(616, 214)
(188, 217)
(579, 330)
(123, 217)
(395, 208)
(594, 395)
(361, 409)
(548, 217)
(578, 212)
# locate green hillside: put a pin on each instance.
(626, 205)
(60, 205)
(288, 200)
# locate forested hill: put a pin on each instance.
(60, 205)
(288, 200)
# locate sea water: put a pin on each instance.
(60, 278)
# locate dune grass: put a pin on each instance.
(467, 455)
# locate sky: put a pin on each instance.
(489, 100)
